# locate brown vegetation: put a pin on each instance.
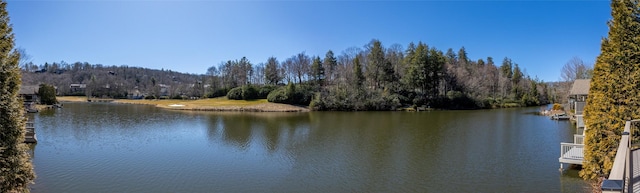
(215, 104)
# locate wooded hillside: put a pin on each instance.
(373, 77)
(112, 81)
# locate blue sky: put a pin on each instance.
(190, 36)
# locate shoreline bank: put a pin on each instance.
(215, 104)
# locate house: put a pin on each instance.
(164, 89)
(77, 88)
(578, 95)
(134, 94)
(29, 93)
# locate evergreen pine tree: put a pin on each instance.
(330, 65)
(418, 67)
(16, 170)
(317, 71)
(379, 70)
(271, 71)
(47, 94)
(613, 96)
(357, 72)
(462, 56)
(435, 67)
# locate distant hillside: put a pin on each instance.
(371, 78)
(113, 81)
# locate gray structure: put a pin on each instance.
(578, 95)
(572, 153)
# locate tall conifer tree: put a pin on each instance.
(417, 70)
(613, 96)
(272, 71)
(16, 170)
(317, 71)
(330, 65)
(357, 73)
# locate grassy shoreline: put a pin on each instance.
(214, 104)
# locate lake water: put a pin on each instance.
(136, 148)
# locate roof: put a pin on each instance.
(580, 87)
(78, 85)
(25, 90)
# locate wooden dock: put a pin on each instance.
(30, 136)
(100, 100)
(560, 117)
(573, 153)
(635, 171)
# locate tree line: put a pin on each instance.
(378, 78)
(373, 77)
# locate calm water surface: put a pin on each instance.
(137, 148)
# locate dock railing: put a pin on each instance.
(579, 107)
(619, 177)
(30, 134)
(579, 121)
(571, 153)
(580, 130)
(578, 139)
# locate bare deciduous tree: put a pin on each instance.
(575, 69)
(572, 70)
(301, 66)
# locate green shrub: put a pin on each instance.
(292, 94)
(510, 105)
(235, 94)
(178, 97)
(47, 94)
(528, 100)
(488, 103)
(318, 103)
(263, 91)
(419, 100)
(249, 92)
(278, 96)
(302, 95)
(454, 94)
(217, 92)
(510, 101)
(458, 100)
(344, 99)
(335, 99)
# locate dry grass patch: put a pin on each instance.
(214, 104)
(71, 98)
